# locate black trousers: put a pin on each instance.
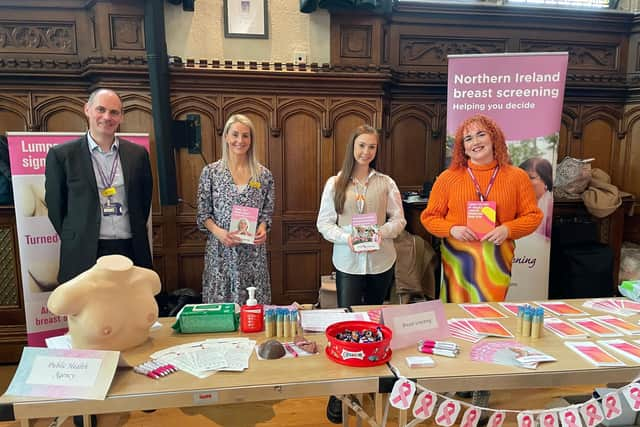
(359, 289)
(116, 247)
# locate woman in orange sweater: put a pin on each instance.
(477, 267)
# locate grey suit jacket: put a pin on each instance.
(71, 194)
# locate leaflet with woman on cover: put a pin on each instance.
(244, 221)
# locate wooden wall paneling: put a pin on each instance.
(13, 114)
(567, 125)
(599, 138)
(189, 166)
(631, 178)
(303, 154)
(357, 39)
(12, 325)
(59, 113)
(410, 135)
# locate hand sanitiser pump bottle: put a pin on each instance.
(251, 314)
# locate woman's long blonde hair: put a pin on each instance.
(254, 166)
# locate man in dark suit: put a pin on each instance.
(98, 192)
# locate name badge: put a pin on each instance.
(109, 191)
(110, 209)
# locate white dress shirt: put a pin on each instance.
(344, 259)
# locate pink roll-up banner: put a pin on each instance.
(523, 93)
(38, 242)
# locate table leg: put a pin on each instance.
(378, 404)
(25, 422)
(86, 420)
(345, 412)
(402, 418)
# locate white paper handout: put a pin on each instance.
(319, 320)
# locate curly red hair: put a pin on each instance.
(500, 152)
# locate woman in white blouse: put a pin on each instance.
(361, 277)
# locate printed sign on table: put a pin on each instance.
(64, 374)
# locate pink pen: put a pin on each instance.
(290, 349)
(438, 344)
(438, 351)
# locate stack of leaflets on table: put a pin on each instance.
(626, 349)
(563, 329)
(560, 308)
(473, 330)
(595, 328)
(593, 353)
(512, 307)
(244, 221)
(364, 232)
(622, 307)
(204, 358)
(618, 324)
(482, 311)
(510, 353)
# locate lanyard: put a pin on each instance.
(107, 182)
(361, 194)
(483, 197)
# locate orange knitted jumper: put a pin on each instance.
(516, 205)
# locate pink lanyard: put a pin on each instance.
(483, 197)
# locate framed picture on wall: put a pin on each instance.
(246, 19)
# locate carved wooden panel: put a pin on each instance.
(600, 140)
(301, 275)
(127, 32)
(38, 37)
(190, 268)
(189, 235)
(301, 186)
(9, 295)
(355, 41)
(586, 56)
(11, 121)
(300, 232)
(415, 156)
(424, 51)
(157, 235)
(631, 180)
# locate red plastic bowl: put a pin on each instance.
(358, 354)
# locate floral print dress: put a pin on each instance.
(229, 271)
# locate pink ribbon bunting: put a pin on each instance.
(548, 420)
(470, 416)
(634, 392)
(592, 414)
(570, 419)
(496, 419)
(447, 411)
(403, 393)
(611, 404)
(423, 405)
(525, 420)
